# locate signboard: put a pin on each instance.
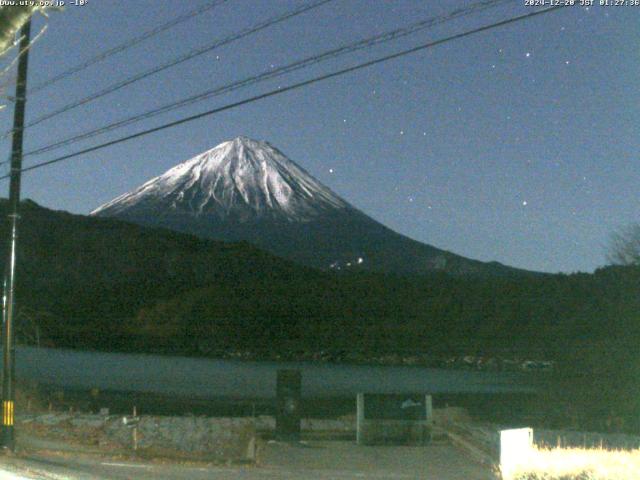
(394, 407)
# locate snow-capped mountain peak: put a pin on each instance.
(247, 190)
(242, 178)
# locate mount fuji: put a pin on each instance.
(247, 190)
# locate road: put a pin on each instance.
(328, 460)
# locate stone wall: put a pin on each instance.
(347, 424)
(213, 439)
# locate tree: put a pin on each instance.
(624, 246)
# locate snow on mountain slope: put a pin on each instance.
(246, 190)
(240, 180)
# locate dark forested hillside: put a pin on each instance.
(104, 284)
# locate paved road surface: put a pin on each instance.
(329, 460)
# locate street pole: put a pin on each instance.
(8, 367)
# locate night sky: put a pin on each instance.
(519, 144)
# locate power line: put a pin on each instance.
(125, 45)
(300, 64)
(180, 59)
(16, 60)
(294, 86)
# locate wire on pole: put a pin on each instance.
(176, 61)
(292, 87)
(125, 45)
(271, 74)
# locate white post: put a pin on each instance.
(516, 446)
(428, 404)
(135, 429)
(359, 417)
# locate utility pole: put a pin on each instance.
(8, 366)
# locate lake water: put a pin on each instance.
(207, 378)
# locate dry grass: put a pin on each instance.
(576, 464)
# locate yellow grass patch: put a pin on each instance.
(575, 464)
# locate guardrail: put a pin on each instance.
(482, 443)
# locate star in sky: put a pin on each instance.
(498, 106)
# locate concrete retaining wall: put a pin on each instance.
(266, 423)
(221, 439)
